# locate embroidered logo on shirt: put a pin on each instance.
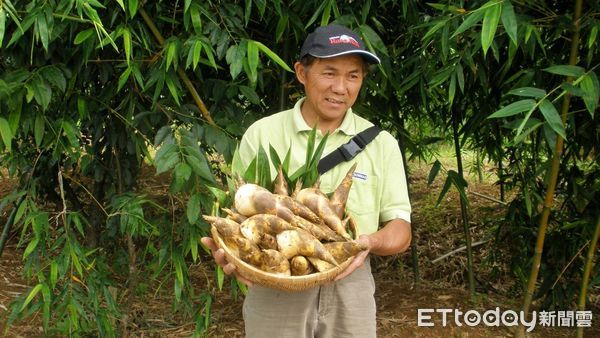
(359, 176)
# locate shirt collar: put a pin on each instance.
(348, 125)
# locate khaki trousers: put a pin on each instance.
(345, 308)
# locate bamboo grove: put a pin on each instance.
(92, 92)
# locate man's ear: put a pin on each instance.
(300, 72)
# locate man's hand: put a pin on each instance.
(219, 256)
(359, 258)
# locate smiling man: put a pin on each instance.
(332, 66)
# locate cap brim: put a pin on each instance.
(368, 56)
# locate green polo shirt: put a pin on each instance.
(378, 193)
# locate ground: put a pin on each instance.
(442, 284)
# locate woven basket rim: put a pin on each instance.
(271, 280)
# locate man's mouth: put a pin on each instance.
(334, 101)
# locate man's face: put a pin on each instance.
(331, 86)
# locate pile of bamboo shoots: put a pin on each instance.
(295, 234)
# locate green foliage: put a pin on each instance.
(90, 91)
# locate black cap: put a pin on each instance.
(333, 40)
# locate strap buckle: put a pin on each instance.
(350, 149)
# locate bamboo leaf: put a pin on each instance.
(252, 54)
(196, 19)
(444, 190)
(441, 23)
(509, 21)
(528, 92)
(34, 291)
(491, 18)
(250, 94)
(42, 28)
(55, 77)
(123, 79)
(326, 13)
(263, 168)
(83, 35)
(6, 133)
(566, 70)
(273, 56)
(120, 2)
(460, 76)
(2, 25)
(172, 87)
(42, 93)
(472, 18)
(127, 44)
(31, 246)
(435, 169)
(513, 109)
(553, 118)
(591, 88)
(133, 7)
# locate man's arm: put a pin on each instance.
(393, 238)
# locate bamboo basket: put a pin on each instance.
(274, 281)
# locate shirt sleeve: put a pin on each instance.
(395, 202)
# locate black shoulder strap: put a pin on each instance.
(348, 151)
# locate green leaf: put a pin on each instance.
(435, 169)
(471, 19)
(127, 44)
(36, 289)
(193, 208)
(591, 88)
(42, 92)
(263, 169)
(513, 109)
(31, 246)
(6, 133)
(509, 21)
(123, 79)
(250, 94)
(566, 70)
(39, 129)
(273, 56)
(491, 18)
(528, 92)
(83, 36)
(2, 25)
(120, 2)
(183, 172)
(460, 76)
(171, 55)
(55, 77)
(252, 57)
(171, 85)
(439, 24)
(53, 273)
(326, 14)
(196, 19)
(133, 7)
(553, 118)
(42, 29)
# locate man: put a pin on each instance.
(332, 66)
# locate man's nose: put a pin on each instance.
(339, 85)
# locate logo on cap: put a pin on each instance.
(334, 40)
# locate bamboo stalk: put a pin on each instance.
(589, 263)
(9, 222)
(547, 207)
(463, 206)
(186, 80)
